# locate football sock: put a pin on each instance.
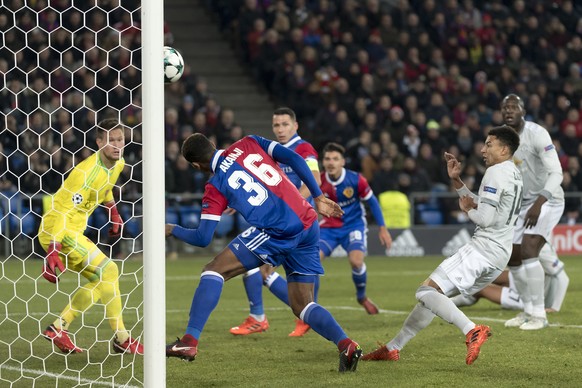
(464, 300)
(535, 282)
(204, 302)
(359, 276)
(510, 299)
(520, 281)
(111, 298)
(322, 322)
(81, 300)
(253, 281)
(278, 286)
(444, 307)
(419, 318)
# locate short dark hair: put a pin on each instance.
(106, 125)
(285, 111)
(334, 147)
(514, 97)
(507, 136)
(197, 148)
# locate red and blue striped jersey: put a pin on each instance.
(348, 191)
(248, 179)
(303, 149)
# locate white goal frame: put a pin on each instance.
(154, 243)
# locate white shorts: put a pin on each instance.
(467, 272)
(549, 217)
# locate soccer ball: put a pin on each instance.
(173, 65)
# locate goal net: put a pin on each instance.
(64, 66)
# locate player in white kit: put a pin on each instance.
(477, 263)
(504, 293)
(541, 209)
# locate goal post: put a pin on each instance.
(64, 67)
(153, 189)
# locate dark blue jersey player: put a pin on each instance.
(248, 179)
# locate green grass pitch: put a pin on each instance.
(436, 357)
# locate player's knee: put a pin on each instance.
(110, 272)
(423, 291)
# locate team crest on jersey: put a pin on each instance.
(77, 199)
(348, 192)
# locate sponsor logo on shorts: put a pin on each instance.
(490, 189)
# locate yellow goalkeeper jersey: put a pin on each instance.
(89, 184)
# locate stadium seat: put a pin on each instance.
(189, 216)
(431, 217)
(172, 216)
(225, 225)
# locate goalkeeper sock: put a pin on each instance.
(419, 318)
(278, 286)
(359, 277)
(111, 298)
(322, 322)
(253, 282)
(204, 302)
(81, 300)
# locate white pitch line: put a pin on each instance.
(349, 308)
(78, 380)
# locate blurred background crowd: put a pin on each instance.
(396, 82)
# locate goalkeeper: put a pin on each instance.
(89, 184)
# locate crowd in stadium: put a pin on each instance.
(396, 82)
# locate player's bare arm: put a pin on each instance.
(533, 213)
(385, 238)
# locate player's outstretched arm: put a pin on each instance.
(200, 237)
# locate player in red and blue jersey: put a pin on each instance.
(284, 232)
(349, 189)
(285, 128)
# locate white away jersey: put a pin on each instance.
(538, 162)
(502, 188)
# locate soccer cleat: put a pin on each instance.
(349, 357)
(369, 306)
(181, 350)
(301, 328)
(131, 346)
(518, 321)
(535, 323)
(475, 339)
(60, 338)
(382, 354)
(250, 326)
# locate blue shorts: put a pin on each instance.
(297, 254)
(351, 239)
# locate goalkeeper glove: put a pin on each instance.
(53, 260)
(116, 221)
